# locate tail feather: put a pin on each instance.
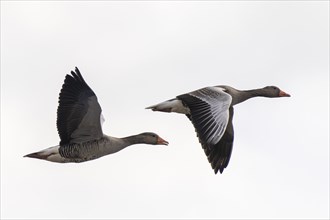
(172, 105)
(160, 108)
(153, 107)
(44, 154)
(37, 155)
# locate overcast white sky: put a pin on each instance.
(135, 54)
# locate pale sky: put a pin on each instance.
(137, 53)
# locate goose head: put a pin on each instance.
(152, 138)
(273, 91)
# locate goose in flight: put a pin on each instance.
(79, 126)
(211, 112)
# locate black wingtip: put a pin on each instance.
(77, 70)
(220, 170)
(77, 75)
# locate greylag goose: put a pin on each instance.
(211, 112)
(79, 126)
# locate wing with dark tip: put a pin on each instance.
(78, 113)
(219, 154)
(211, 115)
(208, 112)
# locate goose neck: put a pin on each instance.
(134, 139)
(244, 95)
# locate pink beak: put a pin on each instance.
(283, 94)
(161, 141)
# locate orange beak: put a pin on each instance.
(283, 94)
(161, 141)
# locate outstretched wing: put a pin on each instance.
(211, 115)
(78, 113)
(208, 112)
(219, 154)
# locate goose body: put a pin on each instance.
(79, 124)
(210, 110)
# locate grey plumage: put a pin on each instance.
(78, 113)
(210, 110)
(80, 129)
